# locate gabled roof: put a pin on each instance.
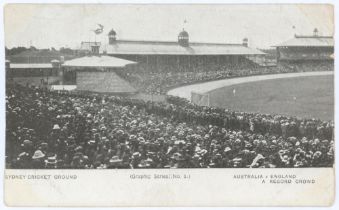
(126, 47)
(98, 62)
(308, 41)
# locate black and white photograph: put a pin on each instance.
(193, 90)
(132, 105)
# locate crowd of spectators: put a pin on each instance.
(298, 66)
(62, 130)
(160, 81)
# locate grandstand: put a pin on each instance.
(167, 61)
(307, 53)
(161, 64)
(37, 74)
(158, 55)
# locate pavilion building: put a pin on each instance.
(180, 55)
(302, 48)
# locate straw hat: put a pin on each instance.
(26, 143)
(143, 164)
(38, 154)
(115, 160)
(227, 149)
(56, 127)
(51, 160)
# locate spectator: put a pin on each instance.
(89, 131)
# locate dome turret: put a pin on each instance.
(183, 38)
(245, 42)
(112, 37)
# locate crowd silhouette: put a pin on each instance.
(64, 130)
(159, 81)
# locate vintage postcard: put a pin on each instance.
(169, 105)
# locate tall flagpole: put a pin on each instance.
(294, 30)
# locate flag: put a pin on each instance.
(99, 30)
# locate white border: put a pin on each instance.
(2, 63)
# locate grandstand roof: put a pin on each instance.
(125, 47)
(308, 41)
(98, 61)
(31, 65)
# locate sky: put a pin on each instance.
(57, 25)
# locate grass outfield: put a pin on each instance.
(310, 97)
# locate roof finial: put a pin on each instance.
(183, 28)
(294, 30)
